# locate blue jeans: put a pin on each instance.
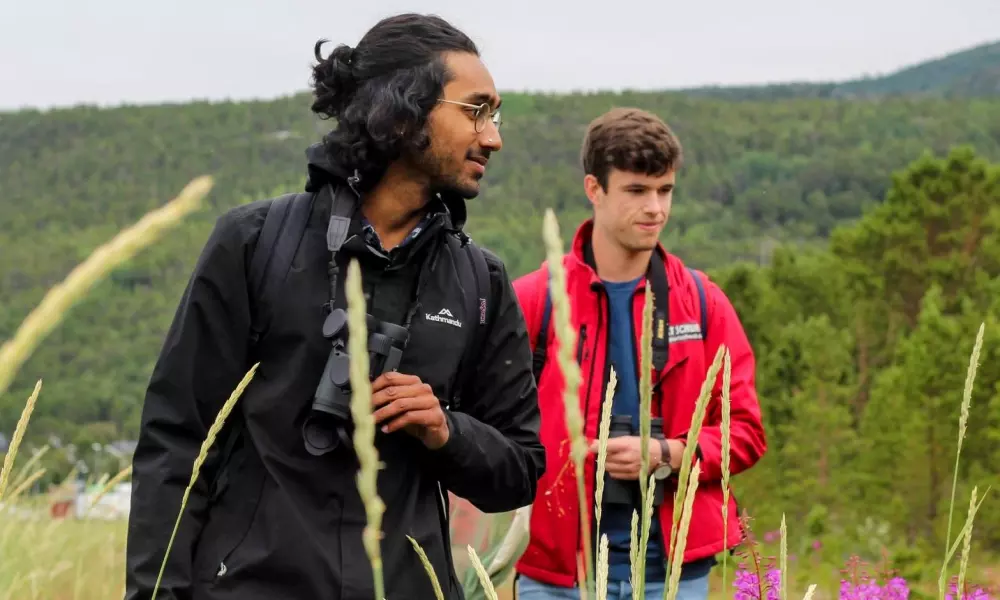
(689, 589)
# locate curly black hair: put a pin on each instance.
(381, 92)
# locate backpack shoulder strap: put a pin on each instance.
(475, 277)
(539, 356)
(657, 276)
(702, 302)
(279, 240)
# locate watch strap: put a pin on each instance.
(664, 452)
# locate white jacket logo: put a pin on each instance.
(684, 332)
(444, 316)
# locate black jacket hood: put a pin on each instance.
(323, 168)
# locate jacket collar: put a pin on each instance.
(445, 212)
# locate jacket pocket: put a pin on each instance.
(405, 574)
(229, 522)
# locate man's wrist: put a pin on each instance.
(676, 452)
(452, 444)
(663, 456)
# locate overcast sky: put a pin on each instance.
(62, 52)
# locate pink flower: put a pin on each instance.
(869, 589)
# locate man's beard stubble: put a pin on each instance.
(442, 179)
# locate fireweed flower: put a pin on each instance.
(971, 593)
(869, 589)
(748, 586)
(896, 589)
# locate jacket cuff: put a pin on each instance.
(457, 444)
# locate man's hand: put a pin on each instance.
(625, 456)
(404, 402)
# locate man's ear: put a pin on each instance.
(592, 187)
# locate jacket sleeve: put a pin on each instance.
(748, 440)
(199, 366)
(494, 456)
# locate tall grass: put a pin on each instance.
(963, 423)
(39, 536)
(364, 423)
(52, 310)
(566, 336)
(22, 425)
(727, 368)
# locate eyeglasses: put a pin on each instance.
(483, 112)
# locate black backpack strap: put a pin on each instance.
(657, 276)
(702, 302)
(540, 355)
(475, 277)
(279, 240)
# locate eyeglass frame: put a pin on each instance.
(480, 109)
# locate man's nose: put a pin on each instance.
(490, 137)
(651, 203)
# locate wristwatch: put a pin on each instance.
(664, 469)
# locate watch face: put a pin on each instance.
(662, 472)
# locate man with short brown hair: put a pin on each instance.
(631, 158)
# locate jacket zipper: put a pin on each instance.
(635, 344)
(586, 412)
(638, 380)
(580, 344)
(447, 533)
(638, 364)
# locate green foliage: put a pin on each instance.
(756, 174)
(861, 378)
(860, 326)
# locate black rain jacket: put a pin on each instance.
(275, 521)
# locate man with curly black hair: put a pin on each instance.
(276, 512)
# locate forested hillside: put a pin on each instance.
(973, 72)
(970, 73)
(863, 353)
(756, 174)
(863, 329)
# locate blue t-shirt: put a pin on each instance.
(616, 520)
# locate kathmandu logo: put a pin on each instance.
(684, 332)
(444, 316)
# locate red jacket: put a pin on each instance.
(551, 555)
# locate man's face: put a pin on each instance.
(633, 209)
(457, 156)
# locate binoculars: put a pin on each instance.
(329, 424)
(618, 491)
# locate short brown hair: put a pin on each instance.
(629, 139)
